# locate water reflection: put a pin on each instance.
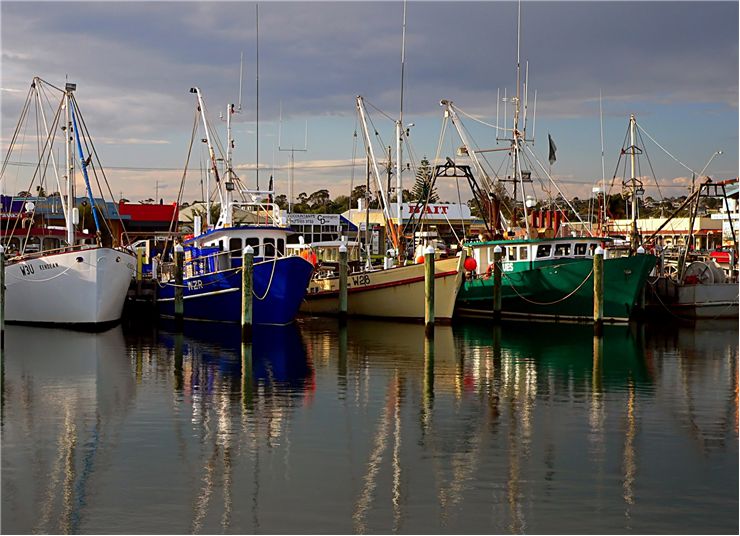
(65, 393)
(370, 427)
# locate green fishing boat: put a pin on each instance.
(552, 278)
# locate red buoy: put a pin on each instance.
(470, 264)
(420, 259)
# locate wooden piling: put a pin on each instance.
(429, 291)
(179, 286)
(247, 291)
(598, 290)
(139, 269)
(497, 251)
(343, 272)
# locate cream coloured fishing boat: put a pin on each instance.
(391, 293)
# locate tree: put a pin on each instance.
(421, 190)
(282, 201)
(319, 200)
(338, 205)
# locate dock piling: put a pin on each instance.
(247, 289)
(139, 268)
(343, 269)
(179, 290)
(429, 291)
(497, 251)
(598, 290)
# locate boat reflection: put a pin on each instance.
(241, 396)
(65, 394)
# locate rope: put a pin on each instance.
(269, 284)
(552, 302)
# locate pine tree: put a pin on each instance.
(420, 192)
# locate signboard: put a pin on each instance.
(436, 211)
(331, 220)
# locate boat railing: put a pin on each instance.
(271, 210)
(195, 266)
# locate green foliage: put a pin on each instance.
(421, 190)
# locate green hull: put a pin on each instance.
(561, 289)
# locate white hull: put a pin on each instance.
(717, 300)
(82, 287)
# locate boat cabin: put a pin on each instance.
(516, 253)
(224, 246)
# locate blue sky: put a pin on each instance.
(673, 64)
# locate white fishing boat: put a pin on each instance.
(697, 286)
(53, 275)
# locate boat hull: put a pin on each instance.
(393, 293)
(562, 291)
(279, 287)
(699, 301)
(85, 287)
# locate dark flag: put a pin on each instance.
(552, 158)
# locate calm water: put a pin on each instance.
(529, 428)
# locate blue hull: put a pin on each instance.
(279, 289)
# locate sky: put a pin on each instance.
(672, 64)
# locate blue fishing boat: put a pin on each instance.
(212, 278)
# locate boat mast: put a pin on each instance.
(227, 216)
(69, 163)
(39, 103)
(516, 135)
(212, 155)
(399, 135)
(634, 234)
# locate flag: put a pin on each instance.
(551, 158)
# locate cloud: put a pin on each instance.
(135, 61)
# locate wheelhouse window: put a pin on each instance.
(543, 250)
(512, 253)
(235, 247)
(269, 247)
(51, 243)
(281, 247)
(581, 248)
(562, 250)
(255, 243)
(523, 253)
(33, 245)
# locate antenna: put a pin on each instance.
(603, 172)
(241, 78)
(257, 12)
(292, 150)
